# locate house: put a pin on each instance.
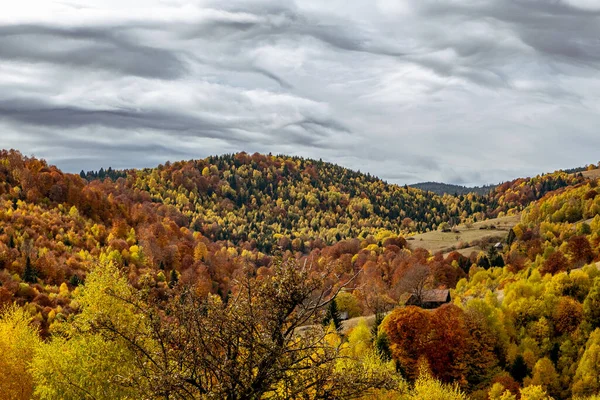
(499, 246)
(430, 298)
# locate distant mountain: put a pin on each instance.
(447, 188)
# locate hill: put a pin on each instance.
(114, 266)
(278, 202)
(446, 188)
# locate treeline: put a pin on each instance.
(103, 174)
(450, 189)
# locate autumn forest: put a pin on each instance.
(251, 276)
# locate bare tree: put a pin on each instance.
(248, 347)
(416, 280)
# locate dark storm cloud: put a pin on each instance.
(462, 91)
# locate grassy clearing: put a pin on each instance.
(351, 323)
(593, 174)
(467, 238)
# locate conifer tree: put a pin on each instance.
(333, 315)
(29, 274)
(173, 279)
(519, 369)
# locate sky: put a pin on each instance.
(458, 91)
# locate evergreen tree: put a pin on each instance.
(382, 344)
(519, 369)
(495, 259)
(173, 279)
(29, 274)
(483, 262)
(75, 280)
(333, 315)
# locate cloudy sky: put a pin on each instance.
(461, 91)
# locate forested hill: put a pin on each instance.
(448, 188)
(279, 201)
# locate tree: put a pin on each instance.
(439, 338)
(333, 316)
(84, 366)
(498, 392)
(18, 342)
(568, 314)
(29, 273)
(415, 281)
(519, 369)
(534, 393)
(511, 237)
(556, 262)
(407, 329)
(545, 375)
(483, 261)
(587, 377)
(427, 387)
(591, 305)
(495, 259)
(173, 278)
(347, 302)
(250, 347)
(82, 362)
(579, 250)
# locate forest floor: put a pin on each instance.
(465, 239)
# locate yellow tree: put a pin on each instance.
(80, 363)
(587, 376)
(534, 393)
(545, 376)
(18, 341)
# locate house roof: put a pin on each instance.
(436, 296)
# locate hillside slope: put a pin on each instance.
(284, 202)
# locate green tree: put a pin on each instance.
(173, 279)
(519, 369)
(29, 273)
(333, 316)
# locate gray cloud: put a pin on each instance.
(422, 90)
(89, 48)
